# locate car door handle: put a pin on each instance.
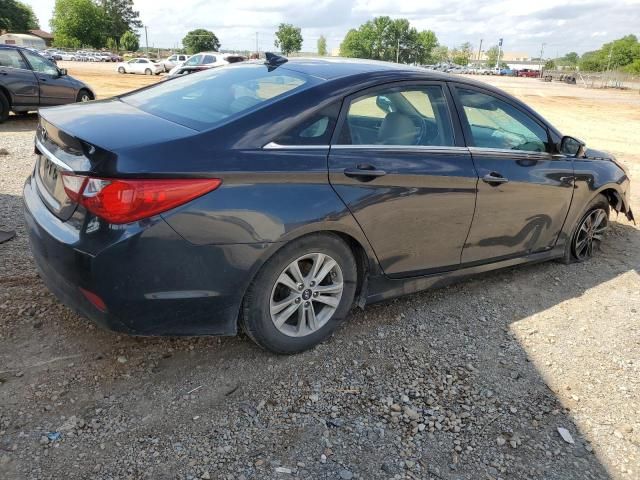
(494, 179)
(364, 172)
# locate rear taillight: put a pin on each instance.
(127, 200)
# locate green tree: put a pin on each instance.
(112, 45)
(383, 38)
(120, 17)
(492, 56)
(570, 58)
(461, 55)
(440, 54)
(322, 46)
(549, 65)
(129, 41)
(77, 23)
(16, 16)
(288, 38)
(614, 55)
(200, 40)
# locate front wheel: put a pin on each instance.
(84, 96)
(590, 230)
(301, 294)
(121, 70)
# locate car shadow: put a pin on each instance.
(20, 123)
(455, 355)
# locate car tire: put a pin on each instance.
(84, 95)
(314, 309)
(121, 70)
(148, 72)
(587, 234)
(4, 107)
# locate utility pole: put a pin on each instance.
(257, 49)
(540, 62)
(146, 37)
(398, 52)
(499, 52)
(480, 49)
(610, 53)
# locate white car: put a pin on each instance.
(205, 60)
(140, 65)
(66, 56)
(174, 60)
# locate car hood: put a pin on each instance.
(113, 124)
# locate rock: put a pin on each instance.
(618, 434)
(122, 359)
(4, 151)
(314, 397)
(346, 474)
(206, 476)
(500, 441)
(283, 470)
(566, 436)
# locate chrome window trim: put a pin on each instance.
(277, 146)
(407, 148)
(510, 152)
(52, 157)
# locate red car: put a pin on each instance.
(527, 72)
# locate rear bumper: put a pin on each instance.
(152, 281)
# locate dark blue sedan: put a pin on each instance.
(274, 196)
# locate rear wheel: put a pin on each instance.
(301, 294)
(4, 107)
(590, 230)
(148, 72)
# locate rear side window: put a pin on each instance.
(12, 59)
(209, 98)
(315, 130)
(414, 115)
(208, 59)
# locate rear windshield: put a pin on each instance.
(206, 99)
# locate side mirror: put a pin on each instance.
(62, 72)
(384, 104)
(572, 147)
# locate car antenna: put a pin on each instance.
(273, 61)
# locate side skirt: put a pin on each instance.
(382, 288)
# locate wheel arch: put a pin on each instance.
(7, 95)
(616, 198)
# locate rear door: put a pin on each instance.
(18, 79)
(54, 88)
(524, 190)
(399, 163)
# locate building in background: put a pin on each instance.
(23, 40)
(46, 36)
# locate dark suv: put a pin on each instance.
(29, 81)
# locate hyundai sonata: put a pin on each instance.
(273, 197)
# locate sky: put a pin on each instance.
(572, 25)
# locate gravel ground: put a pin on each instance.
(472, 381)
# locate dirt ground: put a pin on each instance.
(467, 382)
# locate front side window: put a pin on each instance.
(204, 100)
(413, 115)
(40, 64)
(495, 123)
(12, 59)
(314, 130)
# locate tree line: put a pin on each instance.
(17, 17)
(621, 54)
(97, 24)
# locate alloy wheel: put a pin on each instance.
(306, 294)
(85, 97)
(590, 234)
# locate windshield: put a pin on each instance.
(206, 99)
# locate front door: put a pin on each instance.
(524, 190)
(55, 89)
(399, 163)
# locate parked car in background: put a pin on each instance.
(272, 197)
(104, 56)
(173, 61)
(28, 81)
(527, 72)
(204, 61)
(115, 57)
(143, 66)
(67, 56)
